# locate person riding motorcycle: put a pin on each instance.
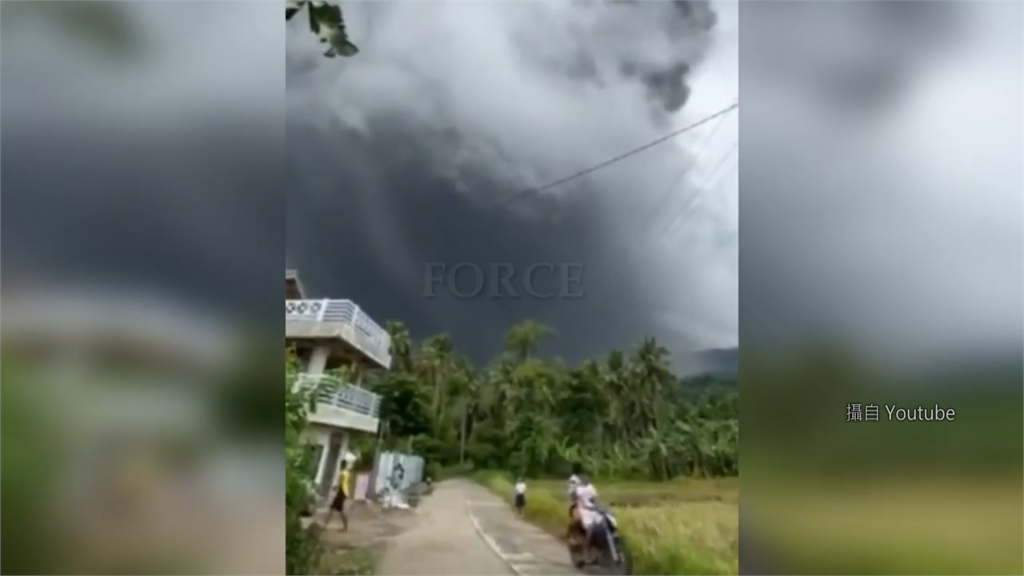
(586, 504)
(583, 512)
(593, 534)
(574, 481)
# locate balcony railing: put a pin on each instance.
(338, 394)
(369, 336)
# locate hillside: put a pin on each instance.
(718, 361)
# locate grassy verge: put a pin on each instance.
(679, 527)
(437, 473)
(893, 525)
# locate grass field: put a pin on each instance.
(892, 525)
(686, 526)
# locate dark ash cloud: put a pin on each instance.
(396, 158)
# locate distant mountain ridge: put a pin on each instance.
(725, 361)
(996, 365)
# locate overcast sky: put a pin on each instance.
(162, 170)
(882, 192)
(398, 157)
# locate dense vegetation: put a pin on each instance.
(300, 547)
(624, 416)
(327, 23)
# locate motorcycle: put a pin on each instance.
(602, 547)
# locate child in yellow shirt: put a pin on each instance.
(338, 504)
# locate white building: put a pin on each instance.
(326, 334)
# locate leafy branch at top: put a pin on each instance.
(327, 23)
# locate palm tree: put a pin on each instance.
(464, 391)
(655, 382)
(436, 365)
(623, 416)
(522, 339)
(401, 349)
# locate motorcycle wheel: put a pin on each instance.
(577, 552)
(623, 566)
(577, 556)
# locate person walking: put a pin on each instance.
(341, 496)
(520, 499)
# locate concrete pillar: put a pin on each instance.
(341, 454)
(321, 467)
(318, 361)
(344, 442)
(326, 483)
(338, 446)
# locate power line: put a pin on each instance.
(622, 156)
(696, 194)
(692, 201)
(638, 251)
(659, 204)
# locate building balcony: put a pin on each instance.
(343, 320)
(342, 405)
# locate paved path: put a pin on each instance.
(464, 529)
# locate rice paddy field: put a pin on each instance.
(686, 526)
(893, 525)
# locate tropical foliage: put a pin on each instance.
(327, 23)
(114, 31)
(105, 28)
(623, 416)
(301, 545)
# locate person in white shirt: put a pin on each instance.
(575, 522)
(574, 481)
(520, 501)
(582, 512)
(586, 494)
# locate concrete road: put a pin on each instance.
(464, 529)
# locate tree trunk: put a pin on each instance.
(437, 393)
(437, 423)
